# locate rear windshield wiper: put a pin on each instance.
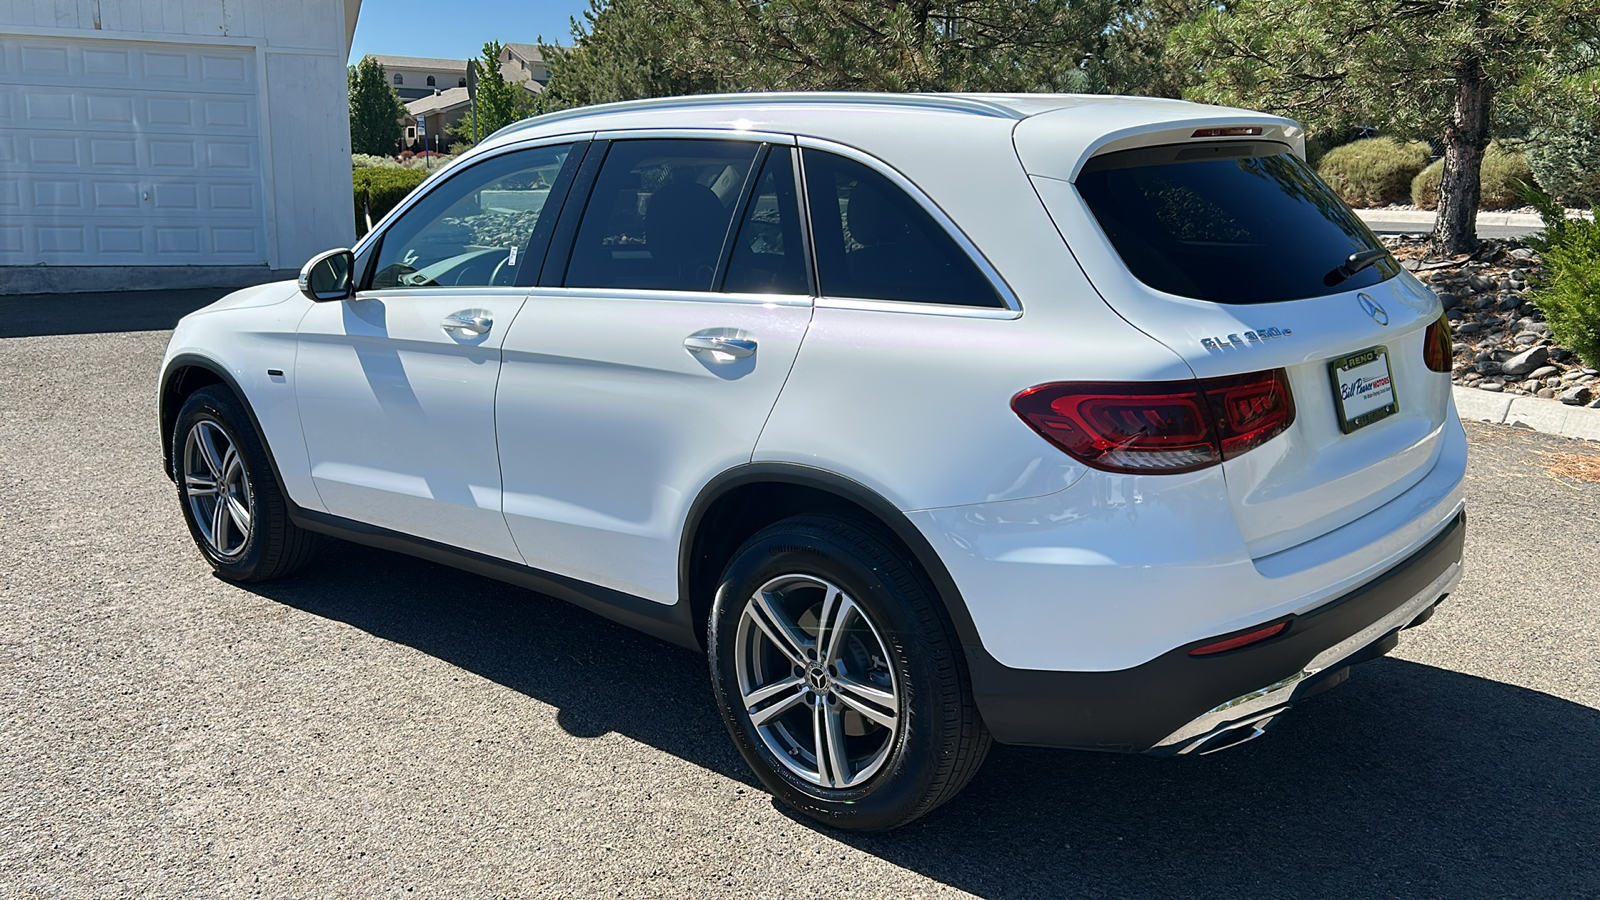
(1353, 264)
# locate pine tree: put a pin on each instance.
(1443, 69)
(375, 110)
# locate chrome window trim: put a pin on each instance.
(435, 180)
(1007, 296)
(440, 290)
(681, 296)
(917, 307)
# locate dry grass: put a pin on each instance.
(1576, 466)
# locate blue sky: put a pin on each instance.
(457, 29)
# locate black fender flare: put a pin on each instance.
(847, 489)
(165, 417)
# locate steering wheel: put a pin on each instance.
(494, 277)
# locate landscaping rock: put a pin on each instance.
(1521, 253)
(1544, 372)
(1576, 396)
(1526, 361)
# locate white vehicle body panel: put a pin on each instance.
(609, 425)
(398, 413)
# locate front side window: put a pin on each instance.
(659, 214)
(874, 242)
(1241, 222)
(768, 256)
(473, 230)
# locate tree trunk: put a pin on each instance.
(1455, 231)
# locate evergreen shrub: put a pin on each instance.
(1566, 160)
(1568, 292)
(1373, 172)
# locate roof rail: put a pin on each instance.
(942, 102)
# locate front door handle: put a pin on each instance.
(722, 349)
(467, 323)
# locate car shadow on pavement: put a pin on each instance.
(1408, 781)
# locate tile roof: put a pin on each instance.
(419, 62)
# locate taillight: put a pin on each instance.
(1159, 426)
(1436, 351)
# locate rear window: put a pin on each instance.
(1236, 222)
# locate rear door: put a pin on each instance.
(648, 363)
(1230, 253)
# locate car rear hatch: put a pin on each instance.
(1215, 238)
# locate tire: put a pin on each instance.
(243, 528)
(883, 678)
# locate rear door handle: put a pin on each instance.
(468, 323)
(723, 349)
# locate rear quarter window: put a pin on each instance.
(1234, 222)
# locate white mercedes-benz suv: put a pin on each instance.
(1089, 422)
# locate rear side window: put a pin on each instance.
(874, 242)
(1228, 223)
(768, 256)
(659, 214)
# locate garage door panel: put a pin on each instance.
(129, 153)
(51, 61)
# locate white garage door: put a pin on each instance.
(128, 153)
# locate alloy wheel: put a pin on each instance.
(815, 679)
(217, 488)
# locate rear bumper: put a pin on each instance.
(1177, 704)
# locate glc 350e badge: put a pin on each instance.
(1249, 337)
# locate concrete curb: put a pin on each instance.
(1549, 416)
(1424, 218)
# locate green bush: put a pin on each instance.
(1373, 172)
(1505, 170)
(379, 190)
(1568, 293)
(1566, 160)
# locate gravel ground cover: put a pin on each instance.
(386, 727)
(1500, 340)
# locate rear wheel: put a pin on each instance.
(838, 677)
(233, 505)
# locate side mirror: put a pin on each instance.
(328, 276)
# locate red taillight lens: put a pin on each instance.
(1436, 351)
(1243, 640)
(1159, 426)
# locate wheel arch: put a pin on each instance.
(745, 499)
(185, 374)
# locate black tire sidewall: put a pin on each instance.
(896, 793)
(219, 406)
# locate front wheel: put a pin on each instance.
(233, 505)
(838, 677)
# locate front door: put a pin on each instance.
(651, 364)
(396, 386)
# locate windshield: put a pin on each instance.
(1235, 222)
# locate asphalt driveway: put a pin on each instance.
(381, 726)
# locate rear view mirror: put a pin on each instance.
(328, 276)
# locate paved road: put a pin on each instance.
(385, 727)
(1383, 226)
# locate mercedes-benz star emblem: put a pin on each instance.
(1373, 309)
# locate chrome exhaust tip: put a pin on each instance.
(1232, 734)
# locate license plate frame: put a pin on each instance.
(1339, 372)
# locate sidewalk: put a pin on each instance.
(1549, 416)
(1423, 218)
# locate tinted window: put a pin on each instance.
(767, 256)
(1228, 223)
(874, 242)
(473, 229)
(659, 214)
